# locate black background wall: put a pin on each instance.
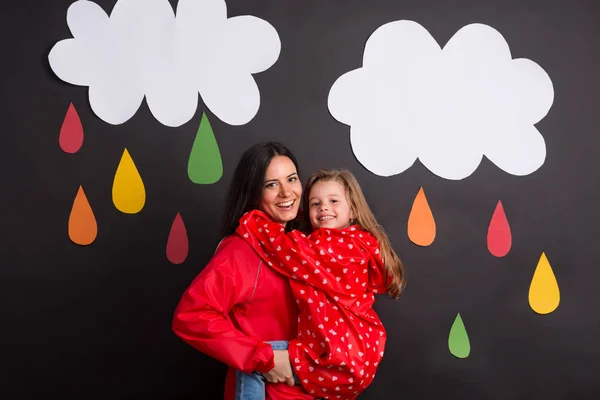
(94, 321)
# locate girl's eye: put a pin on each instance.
(334, 200)
(314, 204)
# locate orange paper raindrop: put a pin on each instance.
(421, 225)
(544, 295)
(128, 191)
(82, 222)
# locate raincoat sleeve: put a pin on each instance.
(202, 320)
(293, 254)
(326, 262)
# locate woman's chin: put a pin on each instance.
(284, 216)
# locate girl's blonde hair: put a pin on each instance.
(365, 219)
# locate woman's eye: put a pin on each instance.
(270, 185)
(293, 179)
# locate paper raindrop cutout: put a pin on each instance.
(205, 165)
(448, 107)
(128, 191)
(544, 295)
(458, 340)
(499, 238)
(83, 228)
(70, 138)
(177, 243)
(144, 49)
(421, 224)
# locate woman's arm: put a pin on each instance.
(201, 318)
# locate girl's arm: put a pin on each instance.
(317, 262)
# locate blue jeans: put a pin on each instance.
(252, 386)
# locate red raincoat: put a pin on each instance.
(334, 275)
(232, 307)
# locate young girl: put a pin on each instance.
(335, 272)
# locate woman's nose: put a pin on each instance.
(284, 190)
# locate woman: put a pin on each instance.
(237, 304)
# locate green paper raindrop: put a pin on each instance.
(458, 340)
(205, 165)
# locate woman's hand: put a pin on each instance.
(282, 372)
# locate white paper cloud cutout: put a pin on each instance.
(449, 107)
(145, 49)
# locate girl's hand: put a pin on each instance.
(282, 372)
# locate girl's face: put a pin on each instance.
(282, 190)
(329, 206)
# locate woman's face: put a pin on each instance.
(282, 190)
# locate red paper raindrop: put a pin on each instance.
(70, 138)
(177, 244)
(499, 238)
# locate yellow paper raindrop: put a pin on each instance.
(544, 295)
(128, 192)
